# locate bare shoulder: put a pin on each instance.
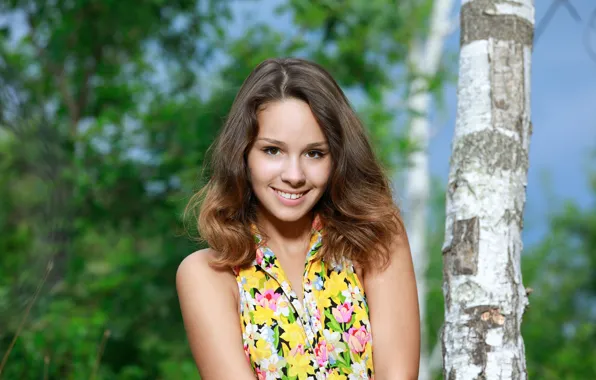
(195, 272)
(199, 259)
(209, 305)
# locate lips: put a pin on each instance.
(290, 195)
(286, 197)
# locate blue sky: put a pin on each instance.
(563, 108)
(563, 115)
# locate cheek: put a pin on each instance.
(262, 170)
(320, 175)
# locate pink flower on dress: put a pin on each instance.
(321, 353)
(343, 313)
(261, 375)
(268, 299)
(247, 352)
(259, 256)
(357, 338)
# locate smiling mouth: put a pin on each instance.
(291, 196)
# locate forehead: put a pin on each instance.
(290, 121)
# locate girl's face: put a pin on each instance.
(289, 162)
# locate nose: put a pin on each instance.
(292, 173)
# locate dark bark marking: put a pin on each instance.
(462, 253)
(479, 21)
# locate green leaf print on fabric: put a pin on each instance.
(332, 322)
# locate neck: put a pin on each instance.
(283, 233)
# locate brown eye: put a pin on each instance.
(271, 150)
(317, 154)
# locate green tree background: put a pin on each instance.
(107, 109)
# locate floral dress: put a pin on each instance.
(327, 336)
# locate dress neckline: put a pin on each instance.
(263, 251)
(266, 260)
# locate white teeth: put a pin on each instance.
(289, 196)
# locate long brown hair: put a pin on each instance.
(357, 210)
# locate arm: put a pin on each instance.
(210, 312)
(394, 315)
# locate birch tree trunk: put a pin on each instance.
(484, 295)
(425, 59)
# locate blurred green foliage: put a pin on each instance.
(559, 328)
(108, 109)
(106, 112)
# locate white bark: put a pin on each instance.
(484, 295)
(425, 59)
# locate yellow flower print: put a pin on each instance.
(253, 279)
(300, 366)
(368, 357)
(270, 284)
(334, 285)
(293, 334)
(263, 349)
(322, 298)
(360, 315)
(263, 315)
(315, 266)
(336, 376)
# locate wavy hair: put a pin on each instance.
(357, 210)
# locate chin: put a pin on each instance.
(290, 215)
(287, 214)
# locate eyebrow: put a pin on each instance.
(281, 143)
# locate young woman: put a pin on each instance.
(309, 273)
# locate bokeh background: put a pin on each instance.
(107, 109)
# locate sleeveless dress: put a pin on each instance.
(327, 336)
